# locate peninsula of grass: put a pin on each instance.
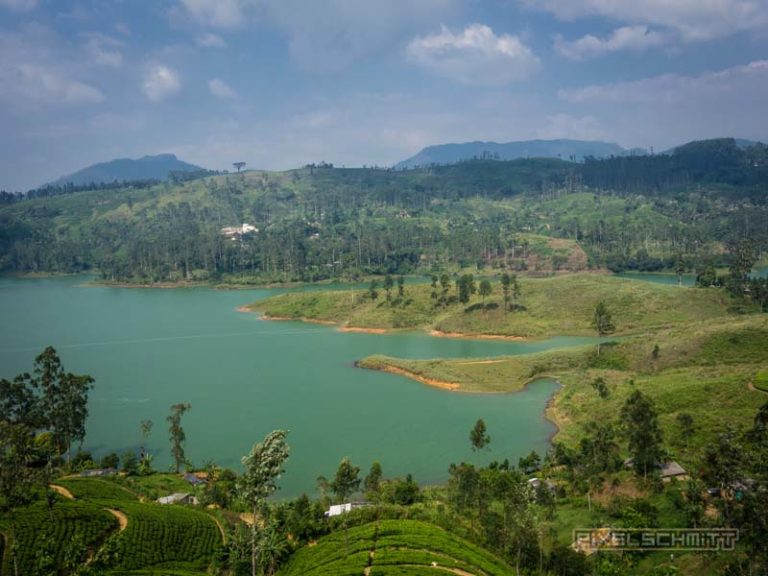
(703, 369)
(560, 305)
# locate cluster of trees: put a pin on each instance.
(41, 415)
(466, 287)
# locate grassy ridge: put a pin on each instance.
(561, 305)
(700, 368)
(399, 546)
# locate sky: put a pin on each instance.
(281, 83)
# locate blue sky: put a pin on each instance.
(279, 83)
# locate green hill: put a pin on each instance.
(318, 222)
(394, 547)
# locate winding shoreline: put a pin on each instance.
(475, 336)
(451, 386)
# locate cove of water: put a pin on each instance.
(148, 349)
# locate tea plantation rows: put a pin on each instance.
(393, 548)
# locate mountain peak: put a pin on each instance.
(155, 167)
(558, 148)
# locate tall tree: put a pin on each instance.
(145, 460)
(478, 436)
(433, 294)
(373, 293)
(388, 284)
(400, 286)
(263, 467)
(178, 436)
(466, 286)
(346, 481)
(344, 484)
(64, 401)
(641, 426)
(485, 289)
(602, 322)
(372, 482)
(506, 284)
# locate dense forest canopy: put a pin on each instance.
(688, 208)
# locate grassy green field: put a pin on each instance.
(393, 547)
(559, 305)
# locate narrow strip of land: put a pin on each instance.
(413, 376)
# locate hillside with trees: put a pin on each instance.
(686, 210)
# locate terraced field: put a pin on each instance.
(168, 540)
(68, 531)
(394, 548)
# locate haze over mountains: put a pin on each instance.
(160, 166)
(566, 149)
(146, 168)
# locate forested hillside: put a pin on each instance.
(682, 211)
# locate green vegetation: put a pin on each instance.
(162, 536)
(535, 215)
(561, 305)
(393, 547)
(165, 535)
(701, 369)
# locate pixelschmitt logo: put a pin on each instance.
(590, 540)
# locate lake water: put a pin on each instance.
(148, 349)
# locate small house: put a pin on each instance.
(178, 498)
(193, 479)
(671, 470)
(339, 509)
(98, 472)
(536, 483)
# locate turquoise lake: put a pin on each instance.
(148, 349)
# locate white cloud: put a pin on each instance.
(474, 56)
(634, 38)
(46, 85)
(673, 108)
(218, 13)
(103, 50)
(210, 40)
(676, 87)
(568, 126)
(160, 82)
(694, 20)
(33, 71)
(221, 89)
(19, 5)
(326, 36)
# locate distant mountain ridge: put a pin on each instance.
(146, 168)
(563, 148)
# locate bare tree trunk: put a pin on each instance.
(253, 543)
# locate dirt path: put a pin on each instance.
(473, 362)
(61, 490)
(221, 529)
(457, 571)
(121, 518)
(751, 387)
